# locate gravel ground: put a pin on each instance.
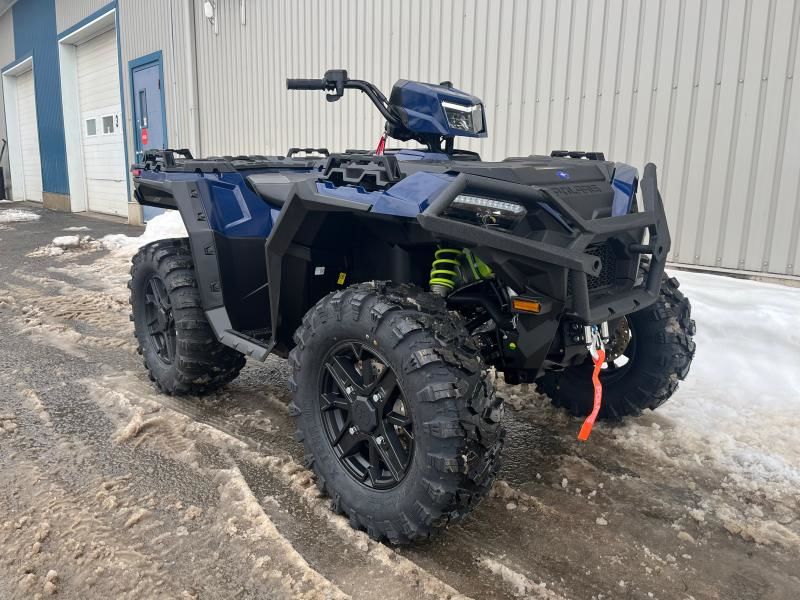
(108, 489)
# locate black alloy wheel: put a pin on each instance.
(650, 352)
(367, 419)
(160, 319)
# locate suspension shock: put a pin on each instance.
(445, 270)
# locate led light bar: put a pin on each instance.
(490, 204)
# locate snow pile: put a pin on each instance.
(738, 408)
(67, 241)
(62, 243)
(16, 215)
(166, 225)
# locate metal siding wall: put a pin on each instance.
(703, 88)
(6, 56)
(147, 26)
(70, 12)
(35, 32)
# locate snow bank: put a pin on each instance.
(16, 215)
(166, 225)
(67, 241)
(739, 408)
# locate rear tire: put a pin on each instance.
(661, 350)
(180, 351)
(421, 379)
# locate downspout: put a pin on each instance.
(191, 76)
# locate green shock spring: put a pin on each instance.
(445, 270)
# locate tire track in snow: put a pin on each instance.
(518, 583)
(173, 432)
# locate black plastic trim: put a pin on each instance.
(574, 258)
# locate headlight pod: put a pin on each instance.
(486, 212)
(464, 118)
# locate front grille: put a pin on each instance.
(608, 272)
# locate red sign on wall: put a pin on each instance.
(144, 136)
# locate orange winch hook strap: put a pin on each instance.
(586, 428)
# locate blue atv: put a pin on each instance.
(398, 282)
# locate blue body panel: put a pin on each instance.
(235, 210)
(232, 208)
(407, 198)
(422, 103)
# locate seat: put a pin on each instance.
(276, 187)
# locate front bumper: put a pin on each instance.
(562, 266)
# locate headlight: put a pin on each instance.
(486, 212)
(464, 118)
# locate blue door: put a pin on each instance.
(149, 118)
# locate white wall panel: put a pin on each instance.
(703, 88)
(149, 26)
(29, 138)
(70, 12)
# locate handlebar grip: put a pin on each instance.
(305, 84)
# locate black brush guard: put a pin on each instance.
(580, 264)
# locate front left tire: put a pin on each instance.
(399, 420)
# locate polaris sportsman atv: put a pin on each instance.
(396, 280)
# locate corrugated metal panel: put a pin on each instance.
(70, 12)
(6, 56)
(147, 26)
(702, 88)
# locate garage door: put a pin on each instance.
(103, 148)
(29, 137)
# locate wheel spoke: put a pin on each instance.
(342, 432)
(368, 375)
(160, 295)
(357, 350)
(348, 443)
(385, 385)
(374, 469)
(345, 375)
(392, 454)
(169, 346)
(400, 420)
(331, 401)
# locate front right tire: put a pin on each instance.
(658, 351)
(399, 420)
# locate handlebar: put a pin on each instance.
(306, 84)
(336, 81)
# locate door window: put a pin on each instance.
(143, 107)
(108, 124)
(91, 127)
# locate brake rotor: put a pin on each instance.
(620, 338)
